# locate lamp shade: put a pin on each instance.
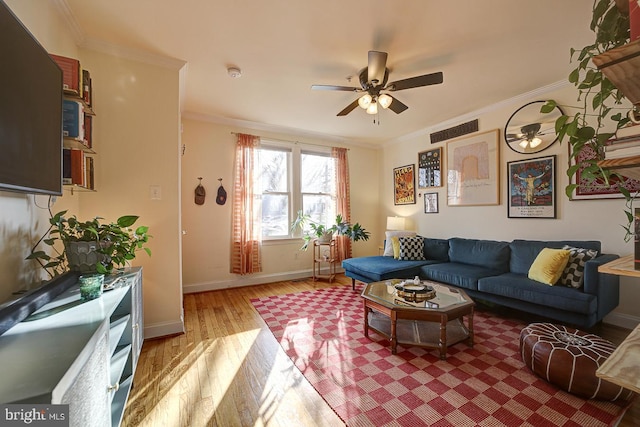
(395, 223)
(385, 100)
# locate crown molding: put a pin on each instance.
(84, 42)
(73, 25)
(297, 133)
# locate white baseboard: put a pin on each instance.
(163, 329)
(248, 280)
(622, 320)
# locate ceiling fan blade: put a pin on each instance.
(397, 106)
(418, 81)
(330, 87)
(349, 108)
(514, 137)
(377, 66)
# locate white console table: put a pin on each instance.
(83, 354)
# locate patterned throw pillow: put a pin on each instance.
(411, 248)
(573, 274)
(388, 246)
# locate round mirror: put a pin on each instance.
(530, 131)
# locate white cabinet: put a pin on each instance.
(79, 353)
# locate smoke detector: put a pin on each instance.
(234, 72)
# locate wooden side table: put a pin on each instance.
(623, 366)
(325, 254)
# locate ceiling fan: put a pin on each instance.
(373, 80)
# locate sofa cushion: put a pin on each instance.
(378, 268)
(549, 265)
(388, 246)
(519, 287)
(436, 249)
(573, 274)
(489, 254)
(411, 248)
(462, 275)
(524, 252)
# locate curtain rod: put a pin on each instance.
(292, 142)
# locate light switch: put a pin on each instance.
(155, 192)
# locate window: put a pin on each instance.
(292, 179)
(318, 187)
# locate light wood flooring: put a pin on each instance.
(229, 370)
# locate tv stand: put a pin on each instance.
(83, 354)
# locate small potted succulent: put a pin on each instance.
(323, 233)
(90, 246)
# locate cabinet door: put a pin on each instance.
(88, 394)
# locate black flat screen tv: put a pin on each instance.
(30, 111)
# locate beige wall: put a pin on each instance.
(209, 153)
(580, 219)
(136, 135)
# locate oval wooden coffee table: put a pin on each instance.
(435, 323)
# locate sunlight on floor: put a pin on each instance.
(195, 382)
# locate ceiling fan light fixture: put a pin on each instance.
(365, 101)
(535, 142)
(372, 108)
(385, 100)
(524, 143)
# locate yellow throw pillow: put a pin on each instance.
(549, 265)
(395, 241)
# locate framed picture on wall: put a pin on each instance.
(404, 181)
(430, 202)
(472, 170)
(430, 168)
(597, 189)
(532, 188)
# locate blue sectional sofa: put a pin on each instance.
(497, 272)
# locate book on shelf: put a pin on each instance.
(88, 131)
(70, 73)
(628, 132)
(620, 148)
(73, 119)
(86, 87)
(66, 166)
(88, 172)
(78, 167)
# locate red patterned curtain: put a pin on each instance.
(246, 236)
(343, 198)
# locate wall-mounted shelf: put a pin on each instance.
(622, 66)
(626, 166)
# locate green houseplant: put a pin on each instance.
(100, 247)
(319, 231)
(599, 113)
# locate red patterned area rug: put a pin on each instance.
(487, 385)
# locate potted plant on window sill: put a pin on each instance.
(324, 233)
(90, 246)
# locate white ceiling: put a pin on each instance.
(489, 51)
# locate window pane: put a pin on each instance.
(273, 170)
(321, 209)
(275, 215)
(318, 174)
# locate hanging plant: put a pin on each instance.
(599, 113)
